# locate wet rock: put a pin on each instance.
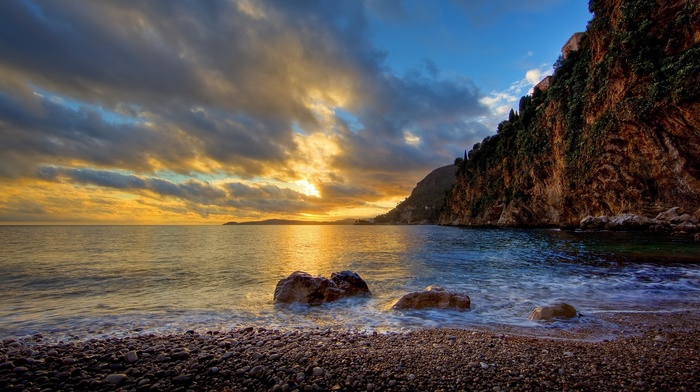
(594, 222)
(629, 222)
(303, 288)
(557, 311)
(668, 215)
(433, 297)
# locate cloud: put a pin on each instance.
(115, 95)
(501, 102)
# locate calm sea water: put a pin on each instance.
(79, 282)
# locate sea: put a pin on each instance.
(82, 282)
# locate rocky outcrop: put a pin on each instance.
(426, 201)
(433, 297)
(673, 220)
(303, 288)
(557, 311)
(616, 134)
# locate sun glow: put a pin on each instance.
(308, 188)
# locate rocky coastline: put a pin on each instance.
(674, 220)
(647, 352)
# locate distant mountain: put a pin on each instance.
(426, 201)
(348, 221)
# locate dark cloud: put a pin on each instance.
(437, 112)
(189, 190)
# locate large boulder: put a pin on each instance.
(314, 290)
(557, 311)
(433, 297)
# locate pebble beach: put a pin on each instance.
(654, 351)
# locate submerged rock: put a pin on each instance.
(557, 311)
(433, 297)
(314, 290)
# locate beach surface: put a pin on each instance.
(648, 351)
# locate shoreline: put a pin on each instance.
(650, 351)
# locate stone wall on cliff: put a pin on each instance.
(617, 132)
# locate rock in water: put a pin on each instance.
(548, 313)
(303, 288)
(433, 297)
(350, 283)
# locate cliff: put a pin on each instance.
(426, 201)
(617, 132)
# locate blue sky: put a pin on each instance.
(204, 112)
(494, 44)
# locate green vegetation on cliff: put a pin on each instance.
(426, 201)
(617, 131)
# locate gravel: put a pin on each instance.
(646, 352)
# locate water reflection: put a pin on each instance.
(166, 277)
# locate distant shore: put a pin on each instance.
(656, 351)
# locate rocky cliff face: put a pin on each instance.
(617, 132)
(426, 201)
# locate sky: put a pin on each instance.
(204, 112)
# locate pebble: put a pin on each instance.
(116, 379)
(132, 356)
(364, 362)
(68, 361)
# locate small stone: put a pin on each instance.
(568, 354)
(484, 365)
(180, 355)
(52, 353)
(20, 370)
(317, 372)
(182, 379)
(62, 375)
(561, 372)
(256, 371)
(131, 356)
(68, 361)
(116, 379)
(411, 377)
(214, 370)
